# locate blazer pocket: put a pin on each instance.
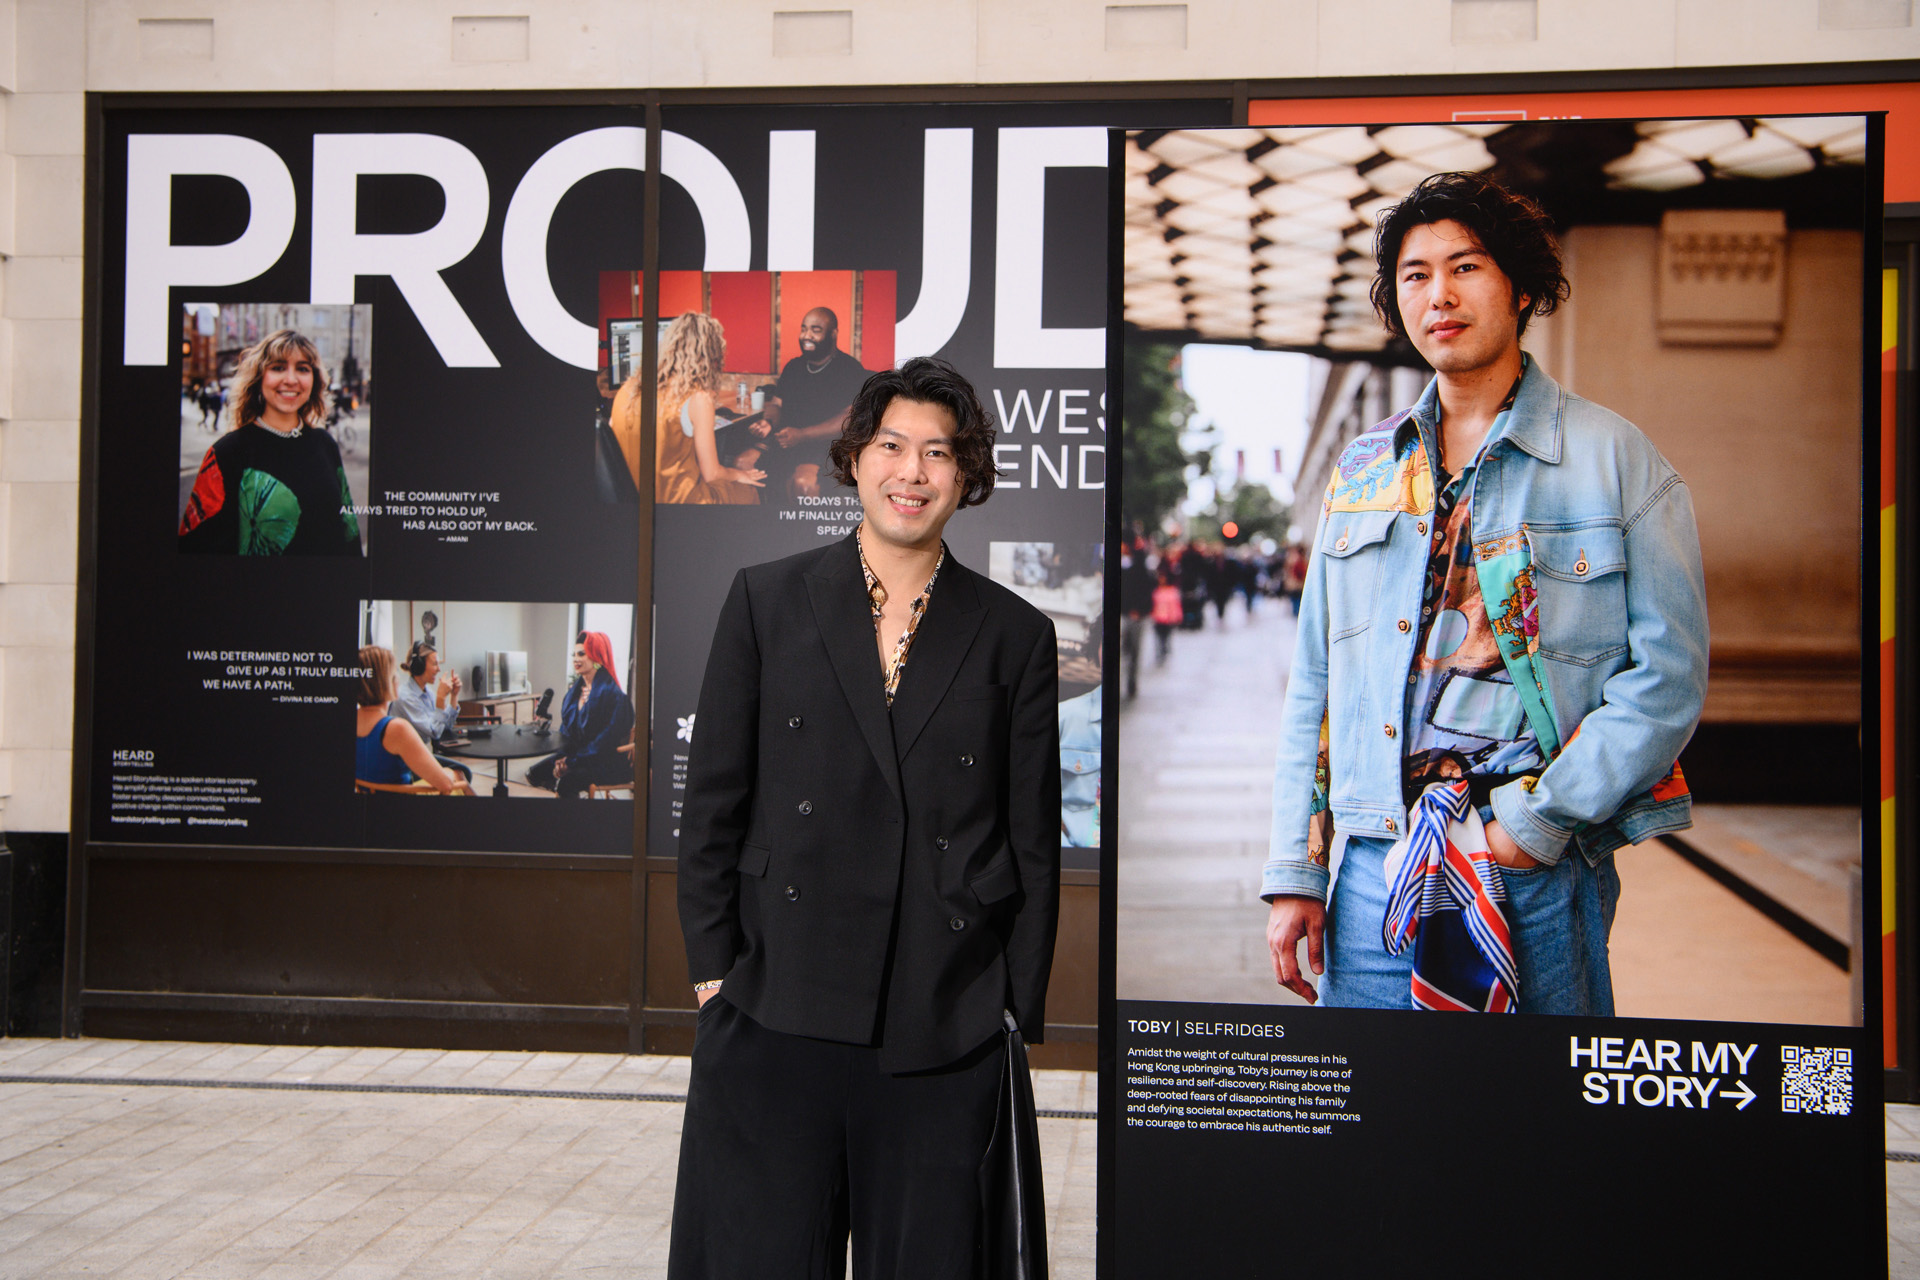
(979, 692)
(1000, 880)
(753, 859)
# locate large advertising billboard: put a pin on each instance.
(1712, 296)
(432, 391)
(472, 280)
(408, 354)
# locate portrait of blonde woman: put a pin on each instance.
(274, 485)
(687, 462)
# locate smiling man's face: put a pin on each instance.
(1459, 308)
(817, 332)
(908, 477)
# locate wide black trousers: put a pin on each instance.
(791, 1142)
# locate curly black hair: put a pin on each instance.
(1514, 230)
(928, 381)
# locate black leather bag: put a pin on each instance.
(1015, 1221)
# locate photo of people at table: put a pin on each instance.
(522, 700)
(274, 428)
(756, 370)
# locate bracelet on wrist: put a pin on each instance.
(708, 986)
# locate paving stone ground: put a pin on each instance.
(151, 1160)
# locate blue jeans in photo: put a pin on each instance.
(1559, 917)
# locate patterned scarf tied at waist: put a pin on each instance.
(1444, 895)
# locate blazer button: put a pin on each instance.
(1389, 729)
(966, 760)
(956, 924)
(1405, 625)
(794, 723)
(940, 842)
(1340, 545)
(806, 806)
(1421, 527)
(1390, 827)
(793, 894)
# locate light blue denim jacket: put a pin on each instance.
(1613, 560)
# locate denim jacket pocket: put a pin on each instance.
(1579, 576)
(1355, 547)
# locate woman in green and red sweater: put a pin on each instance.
(274, 485)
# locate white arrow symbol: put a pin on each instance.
(1745, 1095)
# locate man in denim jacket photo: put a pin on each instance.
(1502, 649)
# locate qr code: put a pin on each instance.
(1816, 1081)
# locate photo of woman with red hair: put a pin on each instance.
(596, 720)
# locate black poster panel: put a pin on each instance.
(442, 263)
(974, 233)
(1361, 1141)
(1728, 1119)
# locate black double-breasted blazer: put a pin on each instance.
(865, 874)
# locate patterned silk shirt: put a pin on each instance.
(1464, 715)
(877, 596)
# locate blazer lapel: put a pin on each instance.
(946, 632)
(845, 618)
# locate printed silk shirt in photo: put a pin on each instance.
(1463, 713)
(877, 596)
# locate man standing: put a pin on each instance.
(1502, 649)
(869, 865)
(809, 404)
(427, 702)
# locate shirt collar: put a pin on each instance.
(1516, 419)
(1533, 425)
(876, 590)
